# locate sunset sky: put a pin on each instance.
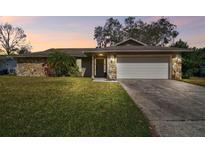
(76, 32)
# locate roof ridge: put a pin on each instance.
(131, 38)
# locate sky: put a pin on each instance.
(44, 32)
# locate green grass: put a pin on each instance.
(195, 80)
(67, 107)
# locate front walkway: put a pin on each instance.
(174, 108)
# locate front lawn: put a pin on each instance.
(196, 80)
(67, 107)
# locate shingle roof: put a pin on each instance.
(81, 52)
(140, 49)
(128, 45)
(77, 52)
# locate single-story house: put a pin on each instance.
(129, 59)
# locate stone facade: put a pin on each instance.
(30, 69)
(31, 66)
(176, 69)
(111, 67)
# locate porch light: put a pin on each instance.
(179, 60)
(100, 54)
(112, 59)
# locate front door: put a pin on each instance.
(100, 68)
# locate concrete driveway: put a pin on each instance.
(174, 108)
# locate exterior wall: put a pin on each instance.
(111, 67)
(176, 63)
(30, 69)
(87, 66)
(38, 67)
(93, 67)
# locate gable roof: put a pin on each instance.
(131, 41)
(140, 49)
(76, 52)
(130, 46)
(81, 52)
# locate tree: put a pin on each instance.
(63, 64)
(165, 31)
(113, 31)
(11, 38)
(99, 36)
(190, 61)
(135, 29)
(180, 44)
(25, 49)
(110, 34)
(159, 33)
(129, 29)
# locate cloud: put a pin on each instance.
(18, 19)
(196, 40)
(45, 32)
(186, 21)
(150, 19)
(59, 40)
(180, 21)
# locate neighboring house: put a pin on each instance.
(7, 65)
(129, 59)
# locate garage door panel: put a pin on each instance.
(142, 68)
(142, 60)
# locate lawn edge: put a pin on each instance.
(182, 80)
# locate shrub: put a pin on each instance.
(63, 64)
(187, 74)
(74, 71)
(191, 63)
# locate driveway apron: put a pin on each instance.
(174, 108)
